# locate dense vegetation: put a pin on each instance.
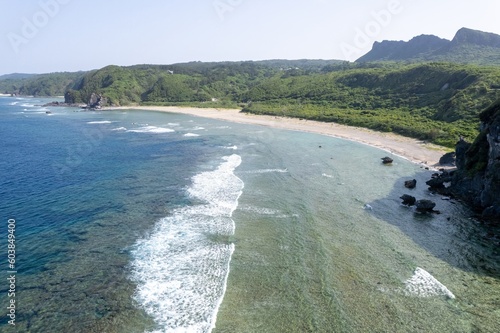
(54, 84)
(436, 102)
(431, 101)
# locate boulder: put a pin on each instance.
(387, 160)
(96, 101)
(448, 159)
(411, 183)
(408, 200)
(425, 206)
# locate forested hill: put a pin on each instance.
(467, 47)
(53, 84)
(431, 101)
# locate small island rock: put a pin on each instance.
(425, 206)
(387, 160)
(411, 183)
(408, 200)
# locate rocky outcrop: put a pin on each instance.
(425, 206)
(477, 178)
(62, 104)
(408, 200)
(411, 183)
(97, 101)
(448, 159)
(387, 160)
(468, 46)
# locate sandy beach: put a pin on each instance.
(412, 149)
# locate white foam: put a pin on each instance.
(191, 134)
(232, 147)
(173, 124)
(267, 171)
(261, 210)
(14, 103)
(99, 122)
(198, 128)
(275, 213)
(423, 284)
(119, 129)
(327, 175)
(152, 129)
(181, 273)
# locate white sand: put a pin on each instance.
(411, 149)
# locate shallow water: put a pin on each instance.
(155, 222)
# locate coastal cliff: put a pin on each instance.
(477, 178)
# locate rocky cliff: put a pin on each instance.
(477, 178)
(468, 46)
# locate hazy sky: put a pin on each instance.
(40, 36)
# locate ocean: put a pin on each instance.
(135, 221)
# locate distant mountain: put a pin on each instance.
(16, 76)
(468, 46)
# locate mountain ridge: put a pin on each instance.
(468, 46)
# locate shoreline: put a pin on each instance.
(416, 151)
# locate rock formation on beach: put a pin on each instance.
(477, 178)
(411, 183)
(408, 200)
(425, 206)
(387, 160)
(96, 101)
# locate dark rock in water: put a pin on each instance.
(491, 213)
(425, 206)
(411, 183)
(408, 200)
(436, 183)
(448, 159)
(387, 160)
(62, 104)
(438, 180)
(56, 103)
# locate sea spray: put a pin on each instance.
(423, 284)
(181, 269)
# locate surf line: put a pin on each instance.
(181, 268)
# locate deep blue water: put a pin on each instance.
(82, 191)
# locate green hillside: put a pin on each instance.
(53, 84)
(437, 102)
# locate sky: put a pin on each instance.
(43, 36)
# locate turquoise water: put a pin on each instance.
(131, 221)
